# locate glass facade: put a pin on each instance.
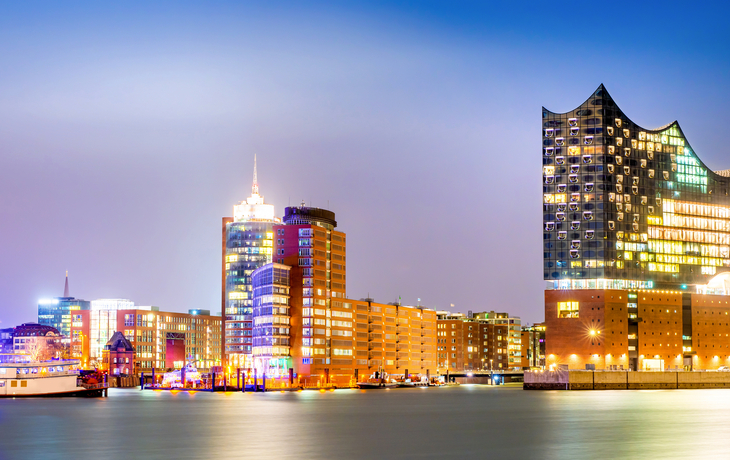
(271, 319)
(249, 245)
(57, 313)
(628, 207)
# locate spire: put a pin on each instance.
(255, 188)
(65, 289)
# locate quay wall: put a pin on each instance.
(624, 380)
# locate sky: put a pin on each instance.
(128, 130)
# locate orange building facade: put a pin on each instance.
(148, 331)
(637, 330)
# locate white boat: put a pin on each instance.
(20, 377)
(377, 380)
(410, 383)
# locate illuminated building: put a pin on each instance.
(155, 335)
(635, 228)
(271, 318)
(103, 323)
(56, 312)
(303, 321)
(247, 245)
(118, 356)
(533, 345)
(308, 242)
(39, 341)
(482, 341)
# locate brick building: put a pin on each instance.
(483, 341)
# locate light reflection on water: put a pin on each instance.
(475, 421)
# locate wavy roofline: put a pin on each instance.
(675, 123)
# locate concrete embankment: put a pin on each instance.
(624, 380)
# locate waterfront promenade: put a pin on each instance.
(457, 422)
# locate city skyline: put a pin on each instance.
(123, 150)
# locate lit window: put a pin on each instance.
(609, 130)
(568, 309)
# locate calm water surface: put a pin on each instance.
(459, 422)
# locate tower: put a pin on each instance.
(247, 245)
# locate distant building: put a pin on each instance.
(6, 340)
(162, 340)
(484, 341)
(38, 341)
(56, 312)
(533, 345)
(247, 245)
(118, 356)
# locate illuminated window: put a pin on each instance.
(560, 160)
(568, 309)
(618, 122)
(609, 130)
(549, 151)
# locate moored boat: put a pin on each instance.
(20, 377)
(410, 383)
(377, 380)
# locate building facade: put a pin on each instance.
(303, 321)
(482, 341)
(533, 346)
(155, 335)
(247, 245)
(636, 235)
(118, 357)
(38, 341)
(56, 312)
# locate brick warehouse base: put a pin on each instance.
(624, 380)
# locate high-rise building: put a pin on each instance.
(303, 321)
(636, 243)
(271, 319)
(247, 245)
(56, 312)
(308, 242)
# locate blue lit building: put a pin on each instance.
(56, 312)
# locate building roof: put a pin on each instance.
(118, 341)
(34, 330)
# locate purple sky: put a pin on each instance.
(127, 132)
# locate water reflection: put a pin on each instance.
(477, 421)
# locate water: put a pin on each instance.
(459, 422)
